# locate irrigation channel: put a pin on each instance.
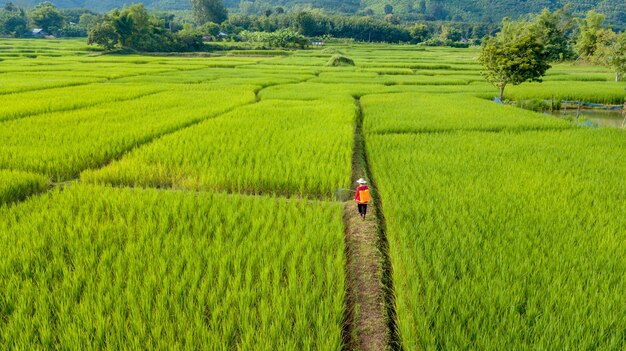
(601, 118)
(370, 321)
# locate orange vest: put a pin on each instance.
(364, 196)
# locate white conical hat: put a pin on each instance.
(362, 181)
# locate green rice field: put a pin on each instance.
(163, 202)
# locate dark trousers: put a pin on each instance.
(362, 209)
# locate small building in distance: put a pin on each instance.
(39, 33)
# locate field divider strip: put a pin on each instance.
(369, 317)
(315, 199)
(474, 130)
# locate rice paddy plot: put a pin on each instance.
(308, 91)
(62, 144)
(589, 91)
(99, 268)
(290, 148)
(16, 186)
(508, 241)
(19, 82)
(25, 104)
(415, 112)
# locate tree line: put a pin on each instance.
(559, 34)
(524, 50)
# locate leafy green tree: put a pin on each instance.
(47, 17)
(134, 28)
(123, 25)
(611, 51)
(306, 23)
(103, 34)
(210, 28)
(450, 34)
(514, 56)
(88, 21)
(436, 10)
(551, 28)
(392, 19)
(419, 32)
(591, 28)
(388, 9)
(422, 7)
(209, 11)
(13, 21)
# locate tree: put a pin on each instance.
(419, 33)
(103, 34)
(611, 51)
(88, 21)
(47, 17)
(306, 23)
(13, 21)
(209, 11)
(437, 10)
(551, 28)
(590, 29)
(210, 28)
(134, 28)
(422, 7)
(514, 56)
(388, 9)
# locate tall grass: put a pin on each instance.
(16, 186)
(415, 112)
(101, 268)
(42, 101)
(62, 144)
(278, 147)
(505, 241)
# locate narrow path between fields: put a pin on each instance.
(370, 313)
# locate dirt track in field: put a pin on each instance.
(370, 312)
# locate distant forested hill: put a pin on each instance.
(460, 10)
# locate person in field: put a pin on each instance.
(362, 197)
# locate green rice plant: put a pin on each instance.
(587, 77)
(413, 66)
(598, 92)
(294, 60)
(350, 78)
(19, 82)
(503, 241)
(390, 71)
(30, 103)
(414, 113)
(291, 148)
(475, 74)
(15, 186)
(97, 268)
(62, 144)
(332, 51)
(259, 52)
(320, 91)
(431, 80)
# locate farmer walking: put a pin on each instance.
(362, 197)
